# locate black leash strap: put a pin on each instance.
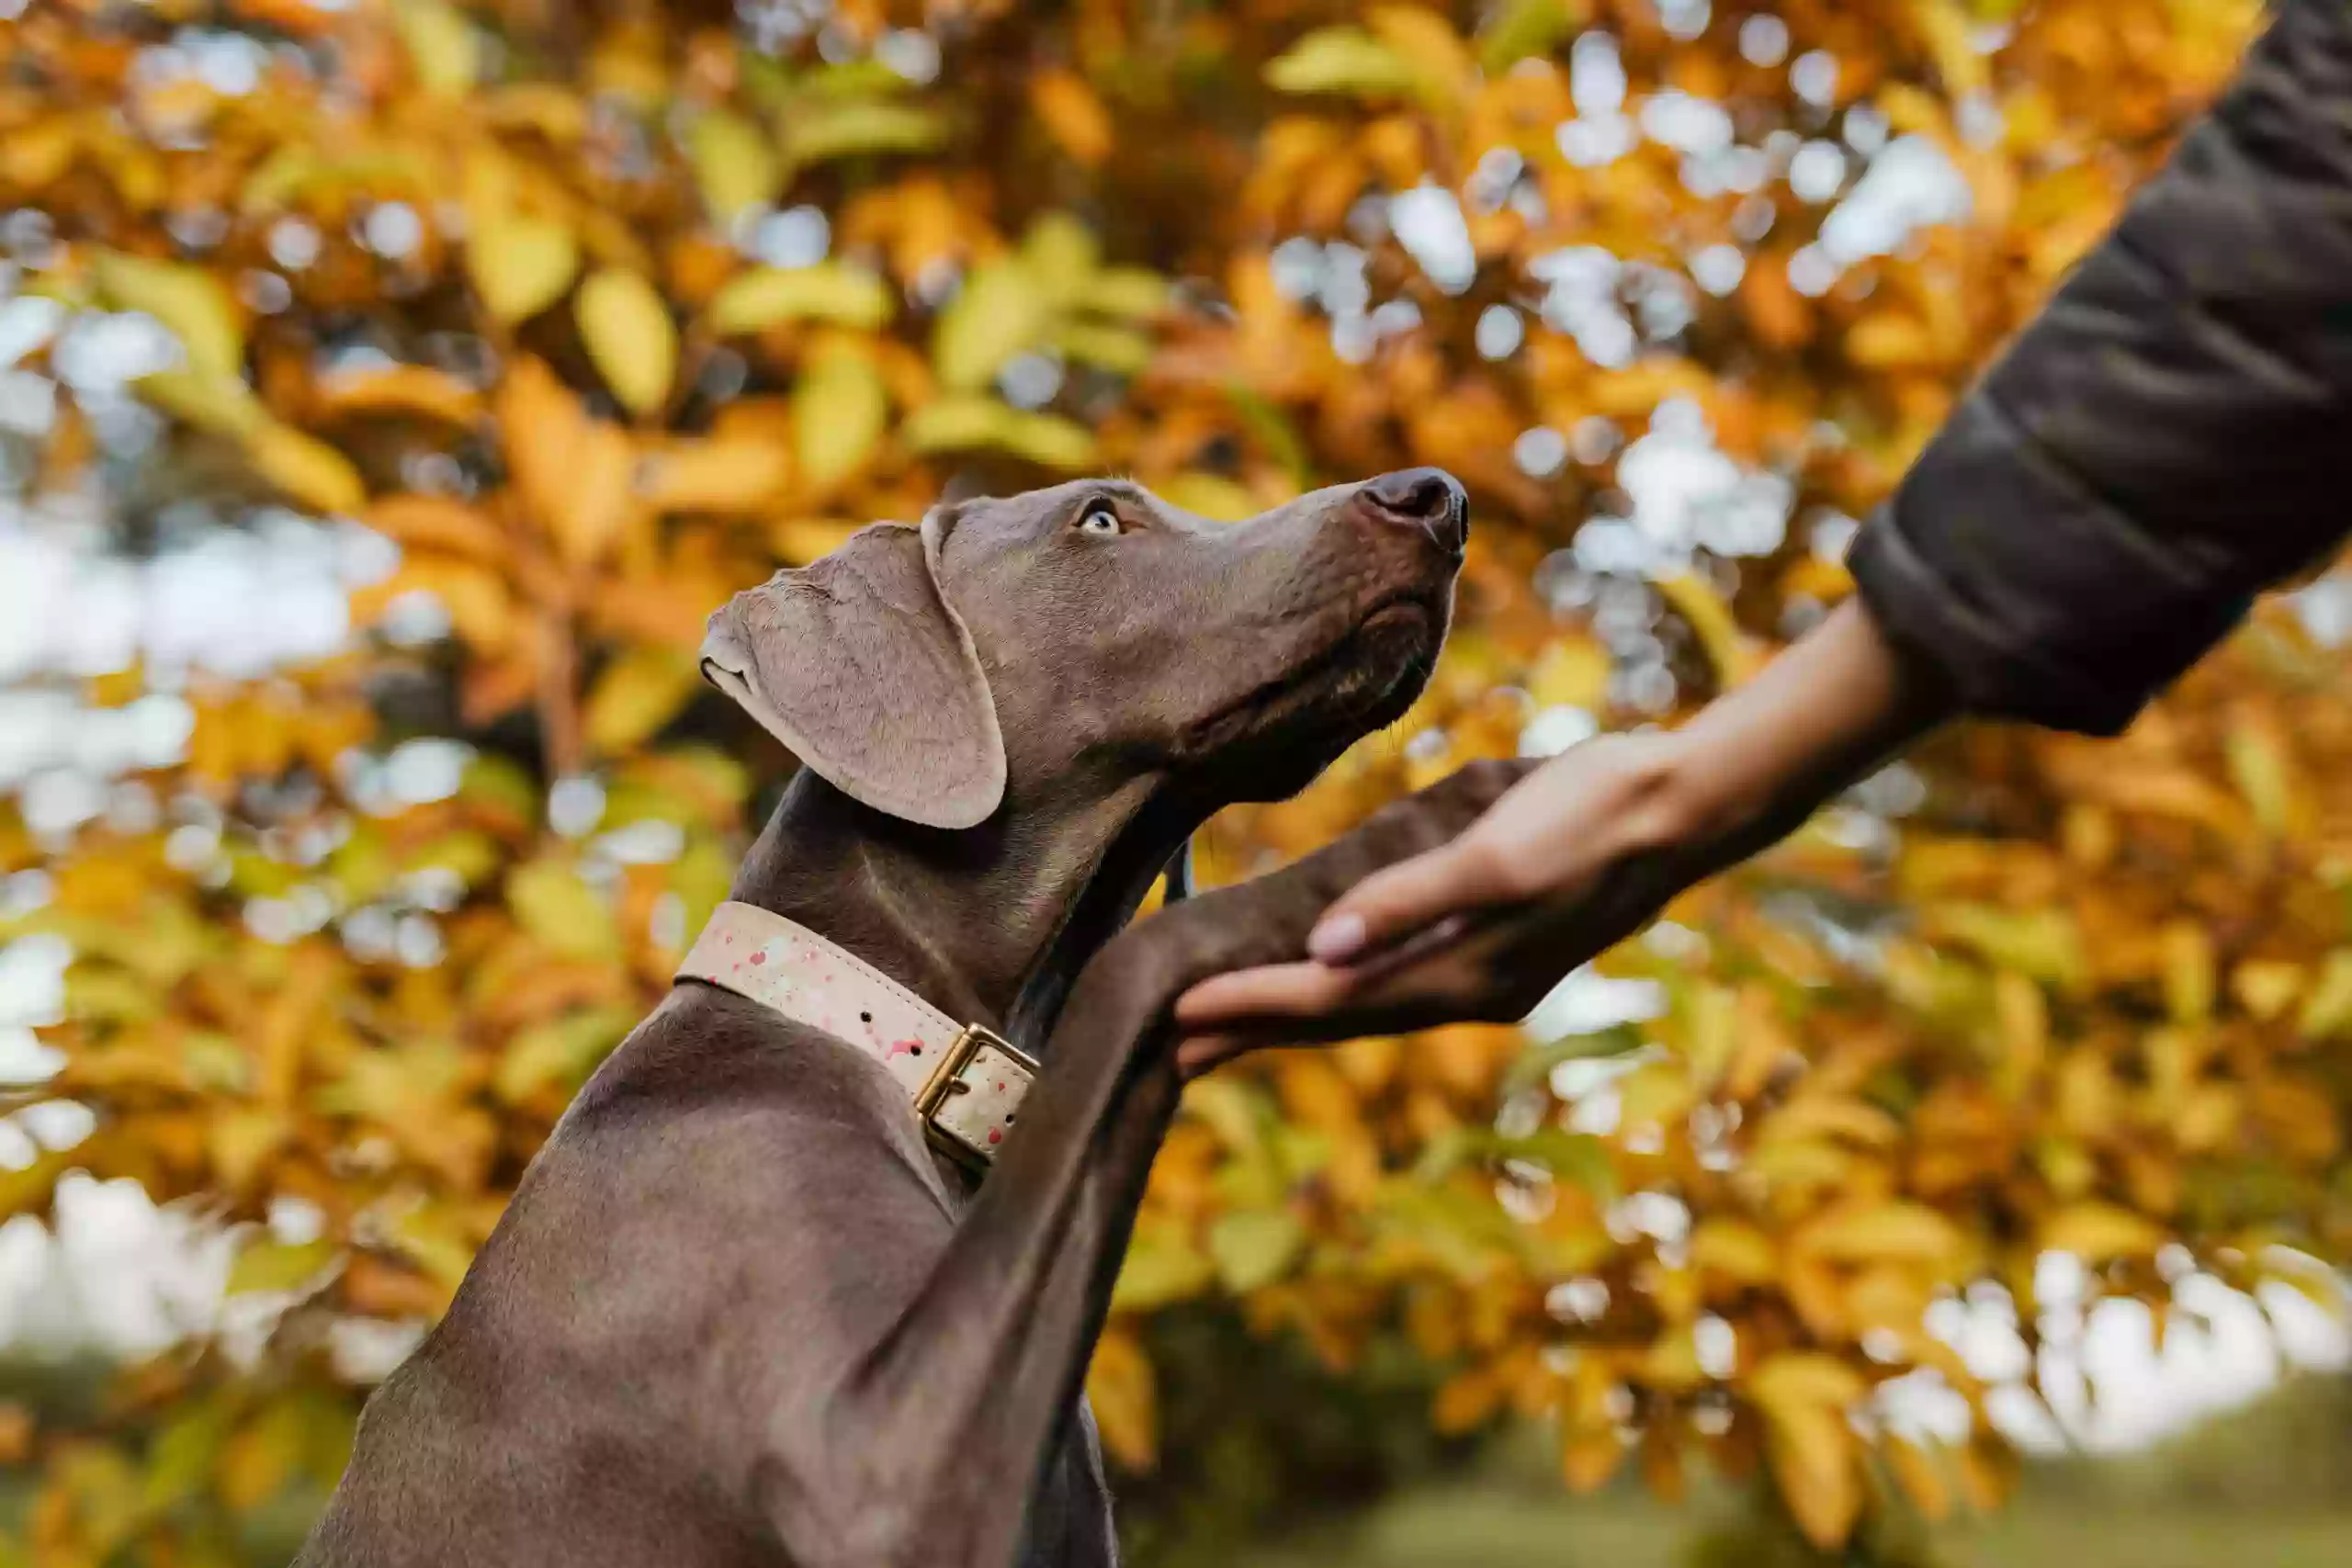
(1180, 875)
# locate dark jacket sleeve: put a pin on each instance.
(2171, 435)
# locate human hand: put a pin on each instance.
(1572, 858)
(1579, 855)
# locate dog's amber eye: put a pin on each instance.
(1100, 520)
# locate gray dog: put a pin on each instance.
(753, 1303)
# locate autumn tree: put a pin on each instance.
(598, 314)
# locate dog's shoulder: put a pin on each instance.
(705, 1054)
(718, 1106)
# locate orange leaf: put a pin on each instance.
(417, 389)
(740, 475)
(476, 598)
(1589, 1458)
(1073, 113)
(1121, 1390)
(576, 475)
(437, 523)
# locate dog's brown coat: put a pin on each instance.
(738, 1313)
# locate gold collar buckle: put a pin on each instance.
(946, 1081)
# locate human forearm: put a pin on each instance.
(1759, 759)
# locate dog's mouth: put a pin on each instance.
(1365, 680)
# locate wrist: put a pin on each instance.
(1759, 759)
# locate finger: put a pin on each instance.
(1201, 1052)
(1394, 903)
(1276, 991)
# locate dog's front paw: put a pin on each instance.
(1266, 921)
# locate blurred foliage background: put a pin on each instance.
(389, 387)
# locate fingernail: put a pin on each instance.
(1340, 937)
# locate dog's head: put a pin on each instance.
(1092, 634)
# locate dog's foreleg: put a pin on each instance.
(955, 1403)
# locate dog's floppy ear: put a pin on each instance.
(860, 666)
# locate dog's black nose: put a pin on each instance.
(1430, 499)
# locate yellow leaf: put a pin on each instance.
(799, 540)
(1735, 1248)
(1341, 60)
(2266, 988)
(2260, 769)
(1121, 350)
(307, 469)
(968, 422)
(1671, 1361)
(1589, 1458)
(192, 304)
(1573, 673)
(727, 474)
(32, 156)
(1921, 1476)
(1253, 1248)
(1728, 649)
(520, 266)
(1059, 253)
(1947, 28)
(562, 912)
(2327, 1012)
(637, 694)
(475, 597)
(1219, 499)
(2099, 1233)
(1816, 1115)
(1130, 293)
(562, 1051)
(2041, 943)
(1122, 1391)
(280, 1266)
(1001, 310)
(1161, 1267)
(1523, 27)
(551, 110)
(838, 292)
(221, 405)
(1798, 1163)
(260, 1458)
(442, 45)
(1889, 339)
(1983, 1474)
(838, 409)
(2188, 971)
(28, 1190)
(1799, 1378)
(430, 1237)
(629, 338)
(1654, 1094)
(1815, 1458)
(819, 132)
(1429, 47)
(240, 1141)
(735, 164)
(1883, 1232)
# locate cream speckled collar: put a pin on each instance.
(965, 1082)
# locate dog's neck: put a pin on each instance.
(991, 924)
